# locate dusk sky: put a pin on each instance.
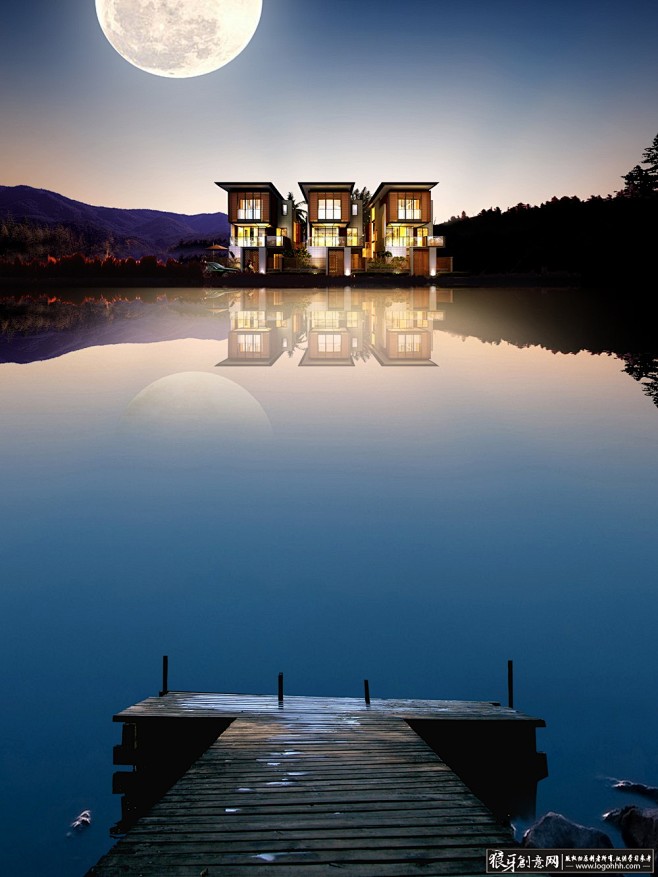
(503, 101)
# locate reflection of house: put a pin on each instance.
(334, 329)
(401, 224)
(262, 225)
(402, 331)
(335, 227)
(260, 329)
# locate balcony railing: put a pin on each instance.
(258, 241)
(334, 241)
(274, 240)
(414, 242)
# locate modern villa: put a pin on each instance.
(339, 235)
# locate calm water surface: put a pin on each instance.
(410, 488)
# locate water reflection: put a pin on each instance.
(335, 327)
(414, 526)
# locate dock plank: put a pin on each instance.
(314, 787)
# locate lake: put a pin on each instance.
(407, 486)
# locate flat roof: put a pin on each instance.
(384, 188)
(250, 187)
(340, 187)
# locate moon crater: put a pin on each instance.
(179, 38)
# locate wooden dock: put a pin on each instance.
(311, 786)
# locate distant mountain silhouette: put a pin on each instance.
(132, 232)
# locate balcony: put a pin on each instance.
(414, 241)
(274, 240)
(257, 241)
(334, 241)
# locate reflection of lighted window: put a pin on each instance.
(249, 319)
(249, 207)
(249, 344)
(325, 319)
(329, 343)
(400, 320)
(328, 208)
(408, 343)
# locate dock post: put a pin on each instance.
(366, 691)
(510, 684)
(280, 687)
(165, 675)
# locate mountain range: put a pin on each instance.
(134, 233)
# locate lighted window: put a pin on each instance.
(249, 207)
(284, 209)
(352, 319)
(352, 237)
(400, 236)
(250, 236)
(328, 208)
(329, 343)
(355, 208)
(329, 236)
(408, 206)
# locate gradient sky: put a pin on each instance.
(500, 101)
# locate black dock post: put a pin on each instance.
(165, 675)
(366, 691)
(510, 684)
(280, 687)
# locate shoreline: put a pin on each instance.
(11, 286)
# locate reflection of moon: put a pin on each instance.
(185, 408)
(179, 38)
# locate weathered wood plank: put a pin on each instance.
(312, 786)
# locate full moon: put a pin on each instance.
(179, 38)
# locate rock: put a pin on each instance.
(638, 826)
(554, 831)
(650, 792)
(81, 821)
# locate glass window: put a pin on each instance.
(408, 205)
(355, 208)
(249, 207)
(408, 343)
(328, 208)
(249, 344)
(249, 319)
(329, 343)
(284, 209)
(329, 236)
(325, 319)
(352, 237)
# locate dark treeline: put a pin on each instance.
(601, 240)
(76, 269)
(29, 240)
(614, 321)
